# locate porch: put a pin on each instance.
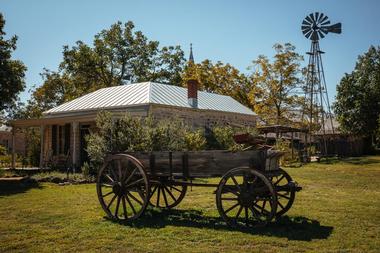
(62, 140)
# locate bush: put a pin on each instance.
(3, 150)
(136, 134)
(286, 159)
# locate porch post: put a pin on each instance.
(42, 134)
(13, 148)
(292, 143)
(74, 145)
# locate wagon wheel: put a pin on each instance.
(123, 188)
(166, 195)
(285, 195)
(245, 197)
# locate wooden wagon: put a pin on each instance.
(253, 188)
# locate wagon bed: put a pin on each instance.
(204, 164)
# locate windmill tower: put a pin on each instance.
(315, 26)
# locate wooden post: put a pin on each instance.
(13, 148)
(42, 134)
(292, 145)
(74, 144)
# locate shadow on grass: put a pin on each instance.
(294, 228)
(11, 189)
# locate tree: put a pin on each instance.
(276, 82)
(12, 72)
(220, 78)
(119, 55)
(357, 104)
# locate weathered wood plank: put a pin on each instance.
(202, 163)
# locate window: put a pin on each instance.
(60, 139)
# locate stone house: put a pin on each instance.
(63, 128)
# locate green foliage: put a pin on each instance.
(135, 134)
(86, 170)
(3, 150)
(33, 146)
(12, 72)
(357, 103)
(220, 78)
(276, 82)
(195, 140)
(221, 137)
(285, 146)
(119, 55)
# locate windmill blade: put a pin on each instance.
(314, 36)
(316, 17)
(304, 27)
(307, 35)
(304, 22)
(321, 34)
(336, 28)
(321, 16)
(306, 31)
(326, 23)
(309, 19)
(324, 19)
(312, 17)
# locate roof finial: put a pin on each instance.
(191, 57)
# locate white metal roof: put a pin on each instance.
(148, 93)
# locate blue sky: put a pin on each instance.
(234, 32)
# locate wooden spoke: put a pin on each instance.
(229, 199)
(124, 207)
(158, 197)
(282, 196)
(117, 206)
(154, 190)
(232, 207)
(170, 193)
(130, 176)
(280, 205)
(118, 166)
(135, 182)
(164, 194)
(239, 211)
(105, 195)
(112, 200)
(134, 198)
(246, 215)
(109, 178)
(107, 185)
(279, 180)
(236, 183)
(130, 204)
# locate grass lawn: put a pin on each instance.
(337, 211)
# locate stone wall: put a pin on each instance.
(201, 118)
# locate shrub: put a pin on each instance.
(194, 140)
(3, 150)
(135, 134)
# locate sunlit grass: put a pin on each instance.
(337, 211)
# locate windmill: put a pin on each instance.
(316, 26)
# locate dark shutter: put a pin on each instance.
(67, 138)
(54, 139)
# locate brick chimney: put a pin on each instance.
(192, 93)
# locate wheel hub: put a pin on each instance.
(118, 189)
(246, 198)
